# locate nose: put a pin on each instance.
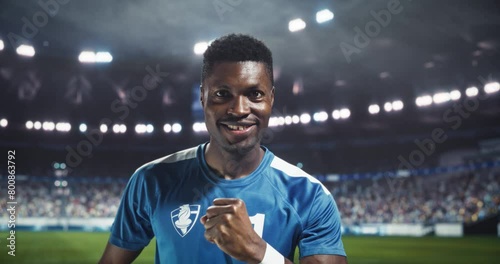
(240, 106)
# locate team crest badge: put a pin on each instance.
(184, 218)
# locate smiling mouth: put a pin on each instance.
(238, 128)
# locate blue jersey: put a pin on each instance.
(167, 197)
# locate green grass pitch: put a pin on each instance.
(76, 247)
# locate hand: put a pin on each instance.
(228, 226)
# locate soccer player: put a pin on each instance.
(229, 200)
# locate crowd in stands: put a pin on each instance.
(457, 197)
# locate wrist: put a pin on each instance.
(272, 256)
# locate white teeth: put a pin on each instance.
(236, 127)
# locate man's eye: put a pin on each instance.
(256, 94)
(222, 93)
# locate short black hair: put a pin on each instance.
(236, 48)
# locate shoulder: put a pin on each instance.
(177, 157)
(293, 176)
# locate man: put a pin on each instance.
(229, 200)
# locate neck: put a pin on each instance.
(232, 166)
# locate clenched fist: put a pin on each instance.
(228, 226)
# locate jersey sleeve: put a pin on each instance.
(321, 234)
(132, 229)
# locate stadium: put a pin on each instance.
(394, 106)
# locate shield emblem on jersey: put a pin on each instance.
(184, 218)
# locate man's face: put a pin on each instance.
(237, 99)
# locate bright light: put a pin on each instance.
(103, 57)
(150, 128)
(83, 127)
(455, 95)
(374, 109)
(123, 128)
(388, 106)
(167, 128)
(296, 25)
(37, 125)
(4, 122)
(288, 120)
(48, 126)
(336, 114)
(26, 50)
(273, 121)
(116, 128)
(472, 91)
(92, 57)
(440, 98)
(63, 127)
(199, 127)
(176, 128)
(324, 15)
(64, 183)
(29, 124)
(140, 128)
(345, 113)
(320, 116)
(87, 57)
(423, 100)
(492, 87)
(295, 119)
(397, 105)
(200, 47)
(63, 166)
(1, 44)
(103, 128)
(305, 118)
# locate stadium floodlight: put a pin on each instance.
(324, 15)
(424, 100)
(200, 47)
(26, 50)
(167, 128)
(37, 125)
(48, 126)
(103, 57)
(150, 128)
(374, 109)
(345, 113)
(295, 119)
(440, 98)
(176, 128)
(199, 127)
(116, 128)
(63, 166)
(83, 127)
(29, 124)
(288, 120)
(305, 118)
(63, 126)
(273, 121)
(296, 25)
(281, 121)
(455, 95)
(56, 165)
(320, 116)
(87, 57)
(1, 45)
(123, 128)
(103, 128)
(336, 114)
(397, 105)
(388, 106)
(491, 87)
(472, 91)
(4, 122)
(140, 128)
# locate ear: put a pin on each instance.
(201, 96)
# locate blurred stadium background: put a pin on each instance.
(393, 105)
